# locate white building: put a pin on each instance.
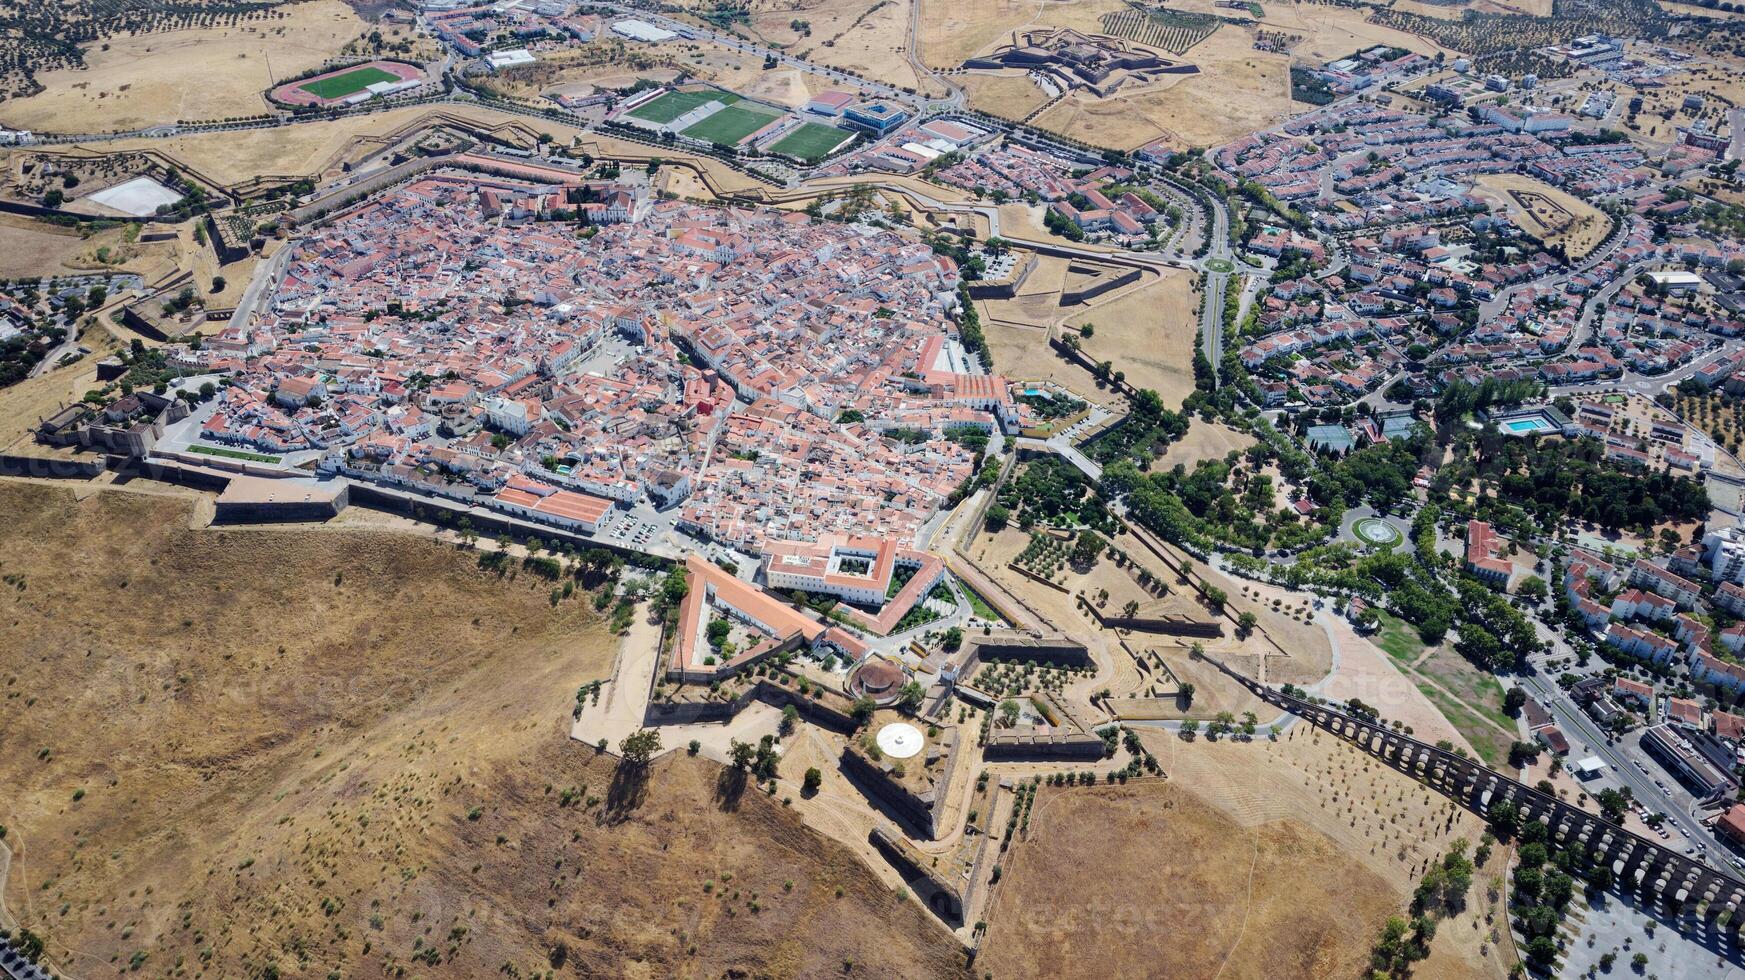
(513, 58)
(1724, 553)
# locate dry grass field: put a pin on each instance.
(1252, 860)
(337, 749)
(1147, 331)
(310, 148)
(953, 30)
(150, 79)
(1152, 880)
(1005, 95)
(31, 248)
(1237, 91)
(1548, 213)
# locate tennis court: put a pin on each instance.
(340, 86)
(672, 105)
(811, 141)
(731, 125)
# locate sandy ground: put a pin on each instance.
(306, 148)
(1551, 214)
(192, 74)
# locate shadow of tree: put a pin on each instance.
(629, 787)
(730, 787)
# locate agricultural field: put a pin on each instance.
(204, 72)
(350, 83)
(730, 125)
(671, 105)
(307, 765)
(811, 141)
(1169, 30)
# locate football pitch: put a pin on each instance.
(730, 125)
(340, 86)
(672, 105)
(811, 141)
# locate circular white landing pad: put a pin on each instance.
(900, 740)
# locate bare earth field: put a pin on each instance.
(336, 749)
(1551, 214)
(208, 73)
(1258, 860)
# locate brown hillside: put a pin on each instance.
(1150, 880)
(335, 751)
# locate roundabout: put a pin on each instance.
(1377, 533)
(1220, 265)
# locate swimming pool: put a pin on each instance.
(1528, 425)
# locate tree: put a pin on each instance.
(1612, 804)
(1088, 548)
(640, 746)
(952, 639)
(997, 516)
(1186, 696)
(1008, 713)
(218, 284)
(1245, 624)
(1514, 700)
(790, 718)
(863, 709)
(742, 754)
(911, 695)
(814, 779)
(718, 630)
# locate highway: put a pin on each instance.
(1576, 724)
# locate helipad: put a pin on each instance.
(900, 740)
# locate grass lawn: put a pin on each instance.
(811, 141)
(340, 86)
(1398, 638)
(980, 606)
(1469, 683)
(672, 105)
(1491, 745)
(1471, 699)
(730, 125)
(233, 454)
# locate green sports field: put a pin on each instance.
(672, 105)
(731, 125)
(340, 86)
(811, 141)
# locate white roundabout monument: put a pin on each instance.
(900, 740)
